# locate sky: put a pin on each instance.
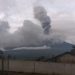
(61, 12)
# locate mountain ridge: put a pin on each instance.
(47, 52)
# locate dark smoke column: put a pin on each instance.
(41, 14)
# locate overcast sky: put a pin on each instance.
(61, 12)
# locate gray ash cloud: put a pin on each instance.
(41, 14)
(30, 34)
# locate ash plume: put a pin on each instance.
(30, 34)
(4, 33)
(41, 14)
(4, 26)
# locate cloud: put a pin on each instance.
(29, 35)
(62, 15)
(4, 26)
(64, 22)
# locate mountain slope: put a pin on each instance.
(36, 52)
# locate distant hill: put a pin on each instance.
(37, 52)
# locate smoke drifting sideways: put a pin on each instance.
(41, 15)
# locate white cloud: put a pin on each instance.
(62, 13)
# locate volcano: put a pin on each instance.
(36, 52)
